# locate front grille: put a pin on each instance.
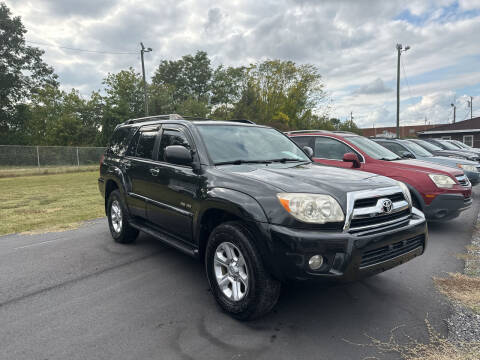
(378, 219)
(376, 256)
(462, 179)
(359, 203)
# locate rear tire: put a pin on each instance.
(257, 291)
(117, 215)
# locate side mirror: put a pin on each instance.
(407, 155)
(308, 150)
(177, 154)
(353, 158)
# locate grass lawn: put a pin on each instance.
(15, 171)
(48, 202)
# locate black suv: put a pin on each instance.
(251, 204)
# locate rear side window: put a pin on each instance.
(172, 137)
(146, 143)
(120, 140)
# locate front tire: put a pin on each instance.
(120, 228)
(238, 280)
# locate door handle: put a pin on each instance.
(155, 171)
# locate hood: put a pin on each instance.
(426, 167)
(310, 178)
(452, 160)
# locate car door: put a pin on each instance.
(138, 165)
(330, 151)
(176, 188)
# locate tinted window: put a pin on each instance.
(417, 149)
(371, 148)
(132, 148)
(328, 148)
(396, 148)
(302, 141)
(227, 143)
(171, 137)
(427, 145)
(146, 143)
(120, 140)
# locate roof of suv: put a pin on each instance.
(320, 132)
(148, 120)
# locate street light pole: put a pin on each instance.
(399, 52)
(145, 99)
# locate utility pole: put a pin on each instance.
(145, 99)
(454, 112)
(399, 52)
(470, 103)
(351, 119)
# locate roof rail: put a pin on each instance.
(306, 131)
(343, 132)
(177, 117)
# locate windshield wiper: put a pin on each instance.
(284, 160)
(240, 161)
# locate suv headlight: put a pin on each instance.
(471, 168)
(312, 208)
(442, 181)
(406, 192)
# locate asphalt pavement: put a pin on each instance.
(79, 295)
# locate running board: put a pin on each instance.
(167, 239)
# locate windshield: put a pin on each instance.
(461, 145)
(417, 149)
(455, 144)
(427, 145)
(240, 144)
(447, 145)
(372, 149)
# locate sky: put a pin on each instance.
(353, 44)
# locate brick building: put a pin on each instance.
(467, 131)
(391, 131)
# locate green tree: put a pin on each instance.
(123, 101)
(22, 74)
(226, 88)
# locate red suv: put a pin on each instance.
(440, 192)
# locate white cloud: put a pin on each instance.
(353, 46)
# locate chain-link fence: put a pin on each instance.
(44, 156)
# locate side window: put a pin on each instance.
(120, 140)
(328, 148)
(171, 137)
(132, 148)
(396, 148)
(146, 143)
(302, 140)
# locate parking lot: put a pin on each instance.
(79, 295)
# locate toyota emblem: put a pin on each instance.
(387, 206)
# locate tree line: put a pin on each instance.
(36, 111)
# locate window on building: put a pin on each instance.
(468, 140)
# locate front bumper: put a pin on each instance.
(447, 206)
(347, 256)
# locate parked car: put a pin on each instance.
(247, 201)
(440, 192)
(409, 150)
(445, 145)
(438, 151)
(463, 146)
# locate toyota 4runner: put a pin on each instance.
(252, 205)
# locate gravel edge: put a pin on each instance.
(464, 324)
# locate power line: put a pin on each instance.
(84, 50)
(405, 77)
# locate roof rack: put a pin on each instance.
(177, 117)
(306, 131)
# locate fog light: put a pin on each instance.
(315, 262)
